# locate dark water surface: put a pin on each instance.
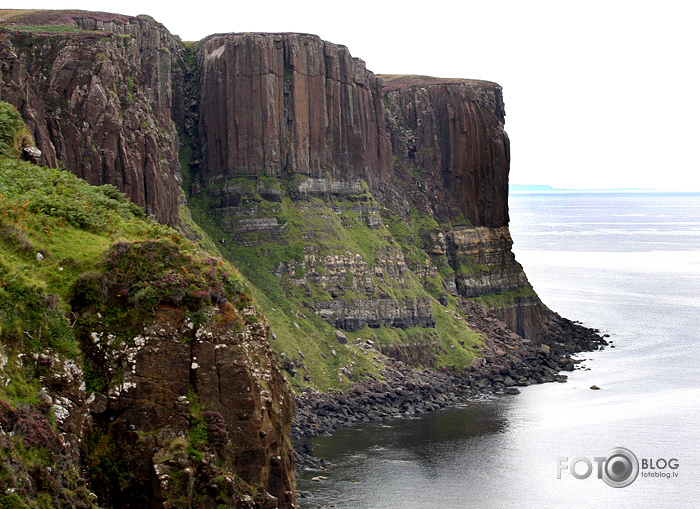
(628, 264)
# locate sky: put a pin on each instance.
(598, 94)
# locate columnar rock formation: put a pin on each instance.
(281, 104)
(453, 131)
(286, 105)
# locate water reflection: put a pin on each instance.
(410, 434)
(403, 456)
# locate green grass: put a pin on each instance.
(336, 228)
(76, 258)
(12, 130)
(53, 227)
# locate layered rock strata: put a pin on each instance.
(372, 205)
(453, 131)
(509, 361)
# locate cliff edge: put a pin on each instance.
(100, 95)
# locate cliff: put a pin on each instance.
(280, 104)
(453, 131)
(368, 215)
(100, 98)
(415, 169)
(448, 137)
(275, 117)
(135, 369)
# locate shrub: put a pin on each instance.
(30, 423)
(218, 436)
(142, 275)
(12, 130)
(12, 501)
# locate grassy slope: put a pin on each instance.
(53, 227)
(333, 228)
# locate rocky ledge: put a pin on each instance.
(508, 361)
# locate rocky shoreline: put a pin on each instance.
(508, 362)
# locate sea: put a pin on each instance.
(626, 263)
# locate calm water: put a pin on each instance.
(628, 264)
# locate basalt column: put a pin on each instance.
(283, 104)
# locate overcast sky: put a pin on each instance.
(599, 94)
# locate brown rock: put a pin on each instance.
(100, 102)
(456, 137)
(281, 104)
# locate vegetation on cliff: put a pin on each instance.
(361, 219)
(303, 196)
(78, 262)
(321, 267)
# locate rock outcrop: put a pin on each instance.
(201, 414)
(453, 131)
(135, 373)
(101, 101)
(184, 379)
(356, 202)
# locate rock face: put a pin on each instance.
(358, 314)
(280, 104)
(453, 131)
(373, 202)
(189, 391)
(489, 248)
(177, 380)
(101, 102)
(294, 117)
(290, 106)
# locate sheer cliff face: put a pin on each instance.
(453, 131)
(300, 118)
(281, 104)
(101, 102)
